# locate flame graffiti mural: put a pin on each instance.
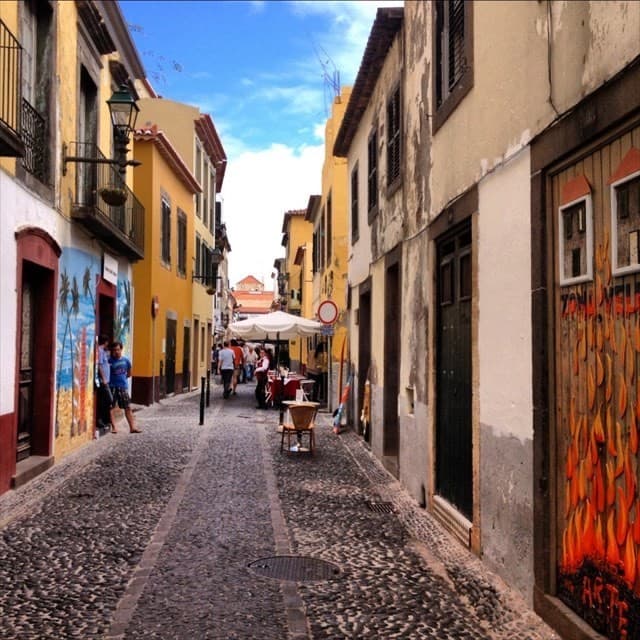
(599, 404)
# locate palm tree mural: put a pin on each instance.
(123, 315)
(86, 286)
(69, 305)
(75, 308)
(63, 309)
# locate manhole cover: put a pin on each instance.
(294, 568)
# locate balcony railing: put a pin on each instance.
(104, 203)
(10, 93)
(34, 136)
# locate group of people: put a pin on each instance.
(236, 364)
(113, 371)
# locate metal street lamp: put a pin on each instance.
(124, 112)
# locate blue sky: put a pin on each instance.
(264, 72)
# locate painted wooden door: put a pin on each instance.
(595, 209)
(454, 479)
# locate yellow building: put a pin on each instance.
(196, 140)
(67, 249)
(294, 282)
(162, 281)
(329, 216)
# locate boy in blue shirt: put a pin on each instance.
(120, 371)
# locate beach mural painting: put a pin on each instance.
(76, 333)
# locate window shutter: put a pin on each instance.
(457, 62)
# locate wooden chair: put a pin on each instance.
(303, 417)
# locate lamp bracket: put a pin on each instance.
(111, 161)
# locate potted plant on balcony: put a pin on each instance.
(113, 195)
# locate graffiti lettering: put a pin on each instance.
(605, 600)
(624, 298)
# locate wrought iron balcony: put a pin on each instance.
(104, 204)
(11, 144)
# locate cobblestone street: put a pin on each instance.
(151, 536)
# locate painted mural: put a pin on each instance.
(75, 354)
(599, 504)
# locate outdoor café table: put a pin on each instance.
(288, 392)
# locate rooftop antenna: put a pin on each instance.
(330, 77)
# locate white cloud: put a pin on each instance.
(259, 187)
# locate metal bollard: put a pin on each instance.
(208, 386)
(202, 400)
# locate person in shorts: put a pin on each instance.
(120, 372)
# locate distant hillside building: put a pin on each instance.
(251, 299)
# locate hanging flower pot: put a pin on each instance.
(210, 290)
(114, 196)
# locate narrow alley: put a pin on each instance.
(183, 532)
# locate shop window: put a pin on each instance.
(625, 224)
(576, 241)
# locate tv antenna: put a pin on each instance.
(330, 77)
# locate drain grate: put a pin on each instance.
(380, 507)
(295, 568)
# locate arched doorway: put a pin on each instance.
(31, 443)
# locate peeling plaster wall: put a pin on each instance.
(387, 226)
(511, 99)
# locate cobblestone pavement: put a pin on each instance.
(151, 536)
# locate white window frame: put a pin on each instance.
(588, 276)
(633, 268)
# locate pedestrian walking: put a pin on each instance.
(120, 371)
(226, 366)
(250, 359)
(261, 373)
(238, 357)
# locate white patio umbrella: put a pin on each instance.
(277, 324)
